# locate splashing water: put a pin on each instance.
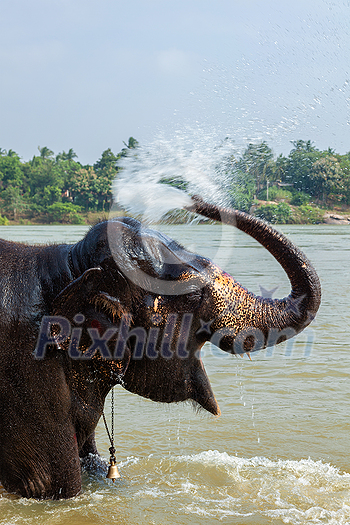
(195, 166)
(152, 200)
(184, 489)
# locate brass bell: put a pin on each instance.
(113, 470)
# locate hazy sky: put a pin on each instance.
(86, 74)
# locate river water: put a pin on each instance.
(279, 453)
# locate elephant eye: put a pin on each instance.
(95, 324)
(195, 297)
(108, 305)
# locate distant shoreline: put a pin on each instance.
(334, 216)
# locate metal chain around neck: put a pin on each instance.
(71, 265)
(110, 434)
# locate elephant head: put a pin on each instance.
(149, 305)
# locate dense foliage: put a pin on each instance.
(58, 188)
(307, 178)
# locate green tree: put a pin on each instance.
(46, 182)
(106, 169)
(326, 175)
(299, 198)
(12, 153)
(275, 213)
(132, 144)
(70, 155)
(11, 170)
(250, 173)
(45, 153)
(13, 201)
(296, 169)
(257, 164)
(344, 163)
(107, 162)
(64, 212)
(242, 191)
(69, 170)
(83, 188)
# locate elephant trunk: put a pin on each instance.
(261, 321)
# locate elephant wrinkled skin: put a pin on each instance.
(139, 308)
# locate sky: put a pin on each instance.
(88, 74)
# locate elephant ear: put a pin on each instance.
(78, 293)
(87, 295)
(78, 289)
(91, 290)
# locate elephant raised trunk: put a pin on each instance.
(244, 322)
(175, 301)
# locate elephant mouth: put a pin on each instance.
(171, 380)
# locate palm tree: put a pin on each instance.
(67, 156)
(132, 143)
(12, 153)
(71, 154)
(45, 153)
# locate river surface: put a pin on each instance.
(280, 451)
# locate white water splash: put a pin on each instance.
(152, 200)
(258, 488)
(209, 486)
(197, 165)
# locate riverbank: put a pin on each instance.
(281, 212)
(307, 214)
(335, 218)
(88, 218)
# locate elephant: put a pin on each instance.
(125, 305)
